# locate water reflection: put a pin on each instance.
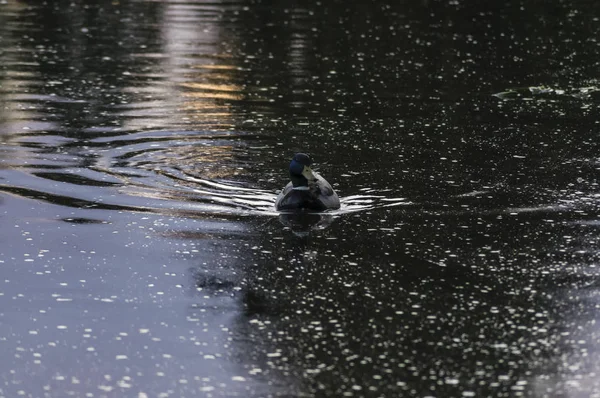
(301, 223)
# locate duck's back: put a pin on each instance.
(318, 196)
(293, 199)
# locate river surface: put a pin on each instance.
(142, 145)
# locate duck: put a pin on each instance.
(307, 189)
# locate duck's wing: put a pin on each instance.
(327, 195)
(287, 199)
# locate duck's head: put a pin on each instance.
(300, 171)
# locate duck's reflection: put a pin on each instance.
(301, 223)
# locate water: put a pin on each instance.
(142, 145)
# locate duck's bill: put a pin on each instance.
(308, 173)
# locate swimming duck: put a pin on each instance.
(307, 190)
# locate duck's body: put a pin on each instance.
(307, 190)
(318, 196)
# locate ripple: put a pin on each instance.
(356, 203)
(170, 172)
(541, 92)
(202, 167)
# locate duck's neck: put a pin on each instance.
(299, 181)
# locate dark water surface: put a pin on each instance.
(142, 144)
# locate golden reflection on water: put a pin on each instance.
(194, 90)
(194, 83)
(216, 67)
(211, 95)
(213, 87)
